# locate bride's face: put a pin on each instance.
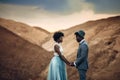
(61, 39)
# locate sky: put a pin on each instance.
(54, 15)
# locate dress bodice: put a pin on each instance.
(60, 48)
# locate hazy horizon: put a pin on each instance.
(57, 29)
(56, 15)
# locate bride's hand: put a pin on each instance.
(71, 63)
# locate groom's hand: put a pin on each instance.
(72, 64)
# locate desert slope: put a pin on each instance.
(20, 59)
(32, 34)
(91, 28)
(103, 37)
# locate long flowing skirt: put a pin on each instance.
(57, 69)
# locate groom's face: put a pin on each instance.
(78, 38)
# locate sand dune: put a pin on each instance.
(20, 59)
(32, 34)
(22, 53)
(103, 37)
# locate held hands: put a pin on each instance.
(71, 64)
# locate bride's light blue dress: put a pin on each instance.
(57, 67)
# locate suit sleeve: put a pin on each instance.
(81, 55)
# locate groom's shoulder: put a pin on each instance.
(85, 44)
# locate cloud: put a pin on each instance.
(48, 5)
(105, 6)
(54, 6)
(66, 7)
(28, 12)
(79, 5)
(70, 6)
(51, 21)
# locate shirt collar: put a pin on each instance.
(82, 41)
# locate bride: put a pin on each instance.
(57, 67)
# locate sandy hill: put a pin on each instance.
(19, 58)
(32, 34)
(90, 28)
(103, 37)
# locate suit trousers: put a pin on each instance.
(82, 74)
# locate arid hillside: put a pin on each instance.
(19, 58)
(103, 37)
(32, 34)
(24, 50)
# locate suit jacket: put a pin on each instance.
(82, 56)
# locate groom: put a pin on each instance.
(81, 62)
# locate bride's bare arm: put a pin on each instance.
(56, 47)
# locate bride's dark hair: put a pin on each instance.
(57, 35)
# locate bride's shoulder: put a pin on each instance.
(56, 45)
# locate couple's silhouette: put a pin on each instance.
(57, 67)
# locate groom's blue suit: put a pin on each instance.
(81, 61)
